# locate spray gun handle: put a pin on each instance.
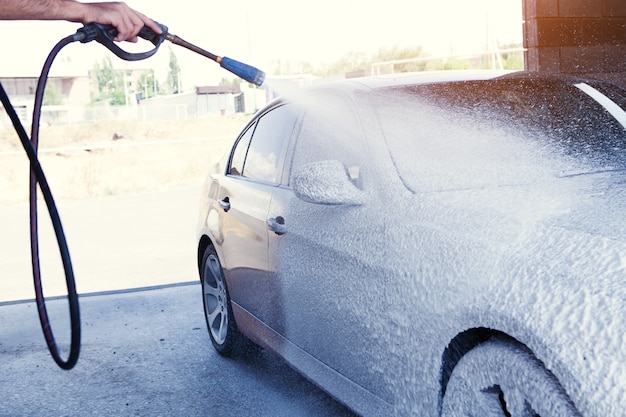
(105, 35)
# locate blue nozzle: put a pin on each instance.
(247, 72)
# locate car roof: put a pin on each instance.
(373, 82)
(349, 85)
(434, 77)
(410, 78)
(425, 77)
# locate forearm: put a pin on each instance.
(127, 21)
(41, 10)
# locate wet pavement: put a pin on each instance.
(144, 353)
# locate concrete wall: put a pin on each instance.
(581, 37)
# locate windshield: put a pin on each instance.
(477, 133)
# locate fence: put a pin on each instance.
(490, 59)
(174, 107)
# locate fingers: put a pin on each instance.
(127, 21)
(150, 23)
(128, 25)
(131, 22)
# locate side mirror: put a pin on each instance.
(326, 182)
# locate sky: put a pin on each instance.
(261, 33)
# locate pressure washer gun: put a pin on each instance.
(105, 35)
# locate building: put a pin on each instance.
(67, 86)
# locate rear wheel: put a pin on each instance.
(217, 309)
(502, 379)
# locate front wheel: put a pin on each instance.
(217, 309)
(502, 379)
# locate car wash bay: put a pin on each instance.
(147, 353)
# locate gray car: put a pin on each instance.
(436, 244)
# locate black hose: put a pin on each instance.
(104, 35)
(37, 177)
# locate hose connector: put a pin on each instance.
(86, 34)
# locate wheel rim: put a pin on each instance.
(215, 300)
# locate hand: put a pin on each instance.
(127, 21)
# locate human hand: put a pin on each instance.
(128, 22)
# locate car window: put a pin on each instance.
(241, 149)
(458, 135)
(551, 111)
(330, 131)
(266, 152)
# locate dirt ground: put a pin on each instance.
(112, 158)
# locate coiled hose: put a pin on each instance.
(103, 34)
(37, 176)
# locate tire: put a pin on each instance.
(503, 379)
(218, 312)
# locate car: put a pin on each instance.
(431, 244)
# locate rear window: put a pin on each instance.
(562, 114)
(480, 133)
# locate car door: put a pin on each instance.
(322, 289)
(254, 170)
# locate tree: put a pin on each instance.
(110, 83)
(358, 61)
(447, 64)
(173, 75)
(398, 54)
(284, 67)
(351, 62)
(230, 81)
(513, 60)
(148, 85)
(52, 96)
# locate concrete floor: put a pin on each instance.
(144, 353)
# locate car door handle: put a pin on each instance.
(225, 204)
(277, 225)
